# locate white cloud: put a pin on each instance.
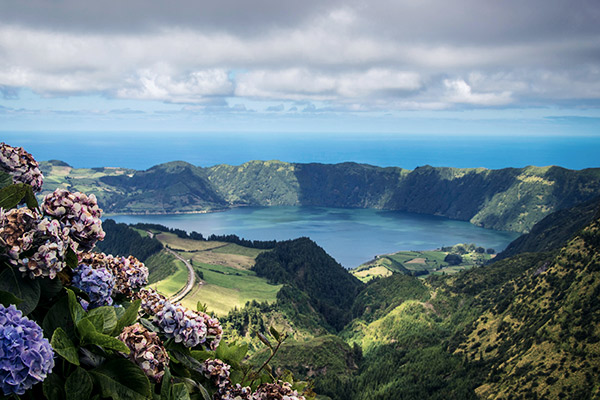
(459, 91)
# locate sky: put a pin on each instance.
(480, 67)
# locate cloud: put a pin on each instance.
(458, 91)
(349, 55)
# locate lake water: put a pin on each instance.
(351, 236)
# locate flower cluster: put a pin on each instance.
(130, 273)
(152, 301)
(181, 324)
(26, 357)
(214, 331)
(21, 166)
(237, 392)
(36, 245)
(79, 213)
(147, 350)
(217, 372)
(96, 283)
(276, 391)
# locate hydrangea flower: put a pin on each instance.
(279, 390)
(181, 324)
(130, 273)
(21, 166)
(79, 212)
(237, 392)
(36, 245)
(152, 301)
(97, 283)
(147, 350)
(217, 372)
(214, 331)
(26, 357)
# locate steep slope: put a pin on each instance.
(541, 338)
(505, 199)
(172, 187)
(554, 231)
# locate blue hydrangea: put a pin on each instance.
(181, 324)
(26, 357)
(98, 283)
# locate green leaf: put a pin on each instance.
(77, 312)
(121, 379)
(50, 287)
(71, 259)
(61, 343)
(274, 333)
(232, 354)
(129, 317)
(7, 298)
(53, 387)
(5, 179)
(165, 389)
(11, 196)
(59, 316)
(23, 288)
(79, 385)
(180, 392)
(97, 320)
(204, 392)
(89, 335)
(109, 318)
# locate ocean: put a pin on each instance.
(144, 150)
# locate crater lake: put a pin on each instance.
(351, 236)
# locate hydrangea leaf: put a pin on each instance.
(50, 287)
(25, 289)
(79, 385)
(109, 318)
(129, 317)
(59, 316)
(71, 259)
(13, 195)
(165, 389)
(232, 354)
(61, 343)
(5, 179)
(77, 312)
(97, 320)
(89, 335)
(122, 379)
(180, 392)
(7, 298)
(53, 387)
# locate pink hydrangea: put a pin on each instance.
(21, 166)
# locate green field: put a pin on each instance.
(233, 248)
(419, 263)
(174, 283)
(226, 288)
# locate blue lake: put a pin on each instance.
(351, 236)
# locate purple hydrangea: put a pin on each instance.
(181, 324)
(147, 350)
(79, 212)
(21, 166)
(278, 390)
(97, 283)
(26, 357)
(130, 273)
(214, 331)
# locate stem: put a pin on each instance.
(279, 343)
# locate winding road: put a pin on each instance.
(191, 280)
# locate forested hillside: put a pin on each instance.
(506, 199)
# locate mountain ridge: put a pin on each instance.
(503, 199)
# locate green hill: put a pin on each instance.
(506, 199)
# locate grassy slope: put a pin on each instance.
(419, 262)
(227, 280)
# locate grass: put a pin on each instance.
(226, 288)
(174, 283)
(175, 242)
(233, 248)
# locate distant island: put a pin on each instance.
(511, 199)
